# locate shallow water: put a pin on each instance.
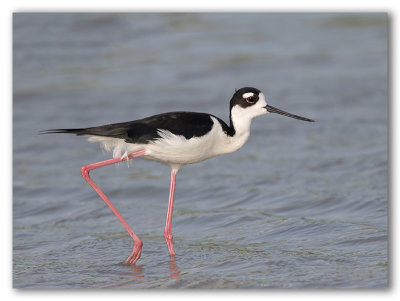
(301, 205)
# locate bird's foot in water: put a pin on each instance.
(135, 255)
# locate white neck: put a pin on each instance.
(240, 121)
(241, 117)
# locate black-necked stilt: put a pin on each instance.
(175, 139)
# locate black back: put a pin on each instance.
(187, 124)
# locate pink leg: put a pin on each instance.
(137, 248)
(167, 231)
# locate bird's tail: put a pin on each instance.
(117, 130)
(78, 132)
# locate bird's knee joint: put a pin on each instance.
(85, 171)
(138, 244)
(168, 236)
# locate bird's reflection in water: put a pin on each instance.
(173, 267)
(137, 270)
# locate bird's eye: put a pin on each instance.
(251, 99)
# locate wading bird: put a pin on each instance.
(175, 139)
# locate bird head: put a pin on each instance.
(248, 102)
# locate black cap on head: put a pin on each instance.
(245, 97)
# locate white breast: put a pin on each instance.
(176, 150)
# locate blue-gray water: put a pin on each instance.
(301, 205)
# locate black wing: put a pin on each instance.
(187, 124)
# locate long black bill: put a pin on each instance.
(271, 109)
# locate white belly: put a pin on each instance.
(175, 150)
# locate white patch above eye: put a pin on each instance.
(248, 94)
